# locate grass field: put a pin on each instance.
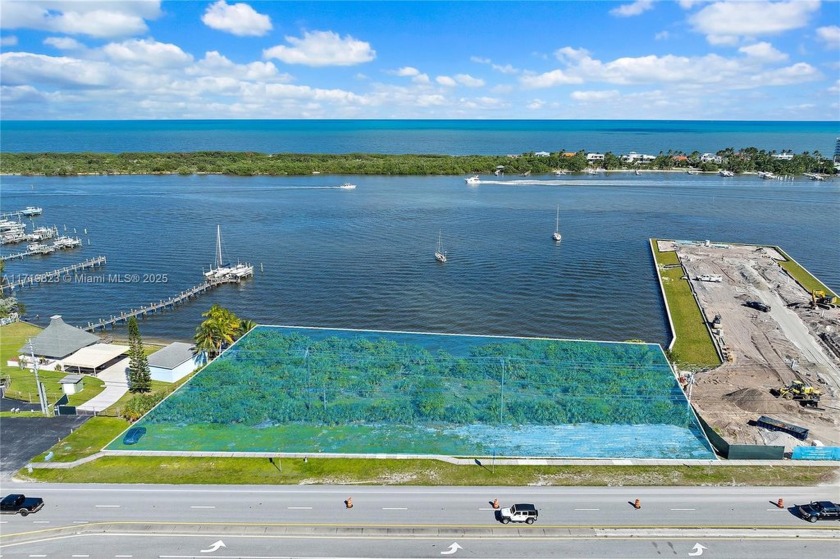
(802, 275)
(294, 471)
(693, 347)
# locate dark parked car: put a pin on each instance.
(17, 503)
(819, 510)
(133, 435)
(758, 305)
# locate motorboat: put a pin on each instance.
(637, 172)
(472, 180)
(725, 173)
(347, 186)
(560, 172)
(766, 175)
(30, 211)
(64, 242)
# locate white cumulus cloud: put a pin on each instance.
(468, 81)
(322, 48)
(830, 35)
(238, 19)
(548, 79)
(407, 71)
(95, 19)
(446, 81)
(64, 43)
(727, 22)
(23, 68)
(590, 96)
(763, 51)
(636, 8)
(8, 41)
(147, 53)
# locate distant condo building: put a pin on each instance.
(837, 151)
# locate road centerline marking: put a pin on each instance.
(202, 506)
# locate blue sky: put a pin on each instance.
(642, 59)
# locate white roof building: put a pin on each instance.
(173, 362)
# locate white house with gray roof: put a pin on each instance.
(173, 362)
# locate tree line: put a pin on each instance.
(295, 164)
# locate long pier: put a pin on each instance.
(159, 306)
(55, 276)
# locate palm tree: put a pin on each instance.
(221, 327)
(246, 326)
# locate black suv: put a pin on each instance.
(758, 305)
(819, 510)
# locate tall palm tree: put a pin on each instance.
(220, 328)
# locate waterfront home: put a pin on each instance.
(634, 157)
(711, 158)
(784, 156)
(594, 157)
(541, 154)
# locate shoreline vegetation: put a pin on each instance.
(745, 161)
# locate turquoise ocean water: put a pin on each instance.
(452, 137)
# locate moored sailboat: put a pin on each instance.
(556, 235)
(440, 254)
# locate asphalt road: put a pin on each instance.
(312, 521)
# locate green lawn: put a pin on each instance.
(88, 439)
(802, 275)
(294, 471)
(693, 346)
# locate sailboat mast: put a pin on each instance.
(218, 246)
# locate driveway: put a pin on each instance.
(116, 385)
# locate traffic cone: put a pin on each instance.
(637, 504)
(781, 503)
(349, 503)
(495, 503)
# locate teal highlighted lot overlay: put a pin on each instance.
(312, 390)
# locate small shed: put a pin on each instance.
(173, 362)
(72, 384)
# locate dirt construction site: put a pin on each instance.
(770, 333)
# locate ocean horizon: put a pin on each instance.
(442, 137)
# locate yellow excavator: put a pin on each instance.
(820, 299)
(801, 392)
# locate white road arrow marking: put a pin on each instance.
(214, 547)
(452, 549)
(698, 550)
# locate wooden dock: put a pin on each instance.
(160, 306)
(55, 276)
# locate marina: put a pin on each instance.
(39, 248)
(28, 211)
